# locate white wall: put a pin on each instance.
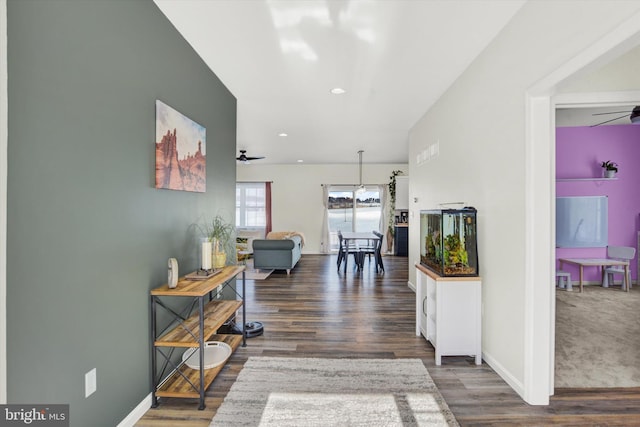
(621, 74)
(480, 124)
(297, 192)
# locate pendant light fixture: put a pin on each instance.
(361, 189)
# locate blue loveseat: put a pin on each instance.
(277, 253)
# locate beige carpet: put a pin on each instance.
(282, 392)
(598, 338)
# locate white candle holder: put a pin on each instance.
(205, 258)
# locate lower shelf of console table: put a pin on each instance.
(175, 385)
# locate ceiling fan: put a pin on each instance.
(634, 116)
(244, 158)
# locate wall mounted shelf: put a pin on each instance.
(585, 179)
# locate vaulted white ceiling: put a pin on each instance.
(281, 58)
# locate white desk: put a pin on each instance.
(594, 262)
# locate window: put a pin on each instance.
(350, 211)
(251, 211)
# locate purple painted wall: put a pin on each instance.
(579, 153)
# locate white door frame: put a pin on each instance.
(541, 104)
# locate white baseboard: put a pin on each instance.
(137, 413)
(504, 374)
(411, 286)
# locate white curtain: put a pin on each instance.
(325, 239)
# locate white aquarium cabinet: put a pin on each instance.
(449, 314)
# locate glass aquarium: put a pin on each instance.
(448, 241)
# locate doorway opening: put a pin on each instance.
(588, 323)
(542, 101)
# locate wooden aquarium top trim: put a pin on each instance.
(198, 288)
(437, 277)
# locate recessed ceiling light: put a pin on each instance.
(338, 91)
(283, 134)
(300, 161)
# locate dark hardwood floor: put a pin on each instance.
(320, 312)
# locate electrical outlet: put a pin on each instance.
(90, 382)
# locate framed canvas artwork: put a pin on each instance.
(181, 156)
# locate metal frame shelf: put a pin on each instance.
(191, 327)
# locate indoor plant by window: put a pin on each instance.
(392, 208)
(610, 168)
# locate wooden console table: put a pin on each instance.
(197, 323)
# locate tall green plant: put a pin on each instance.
(392, 199)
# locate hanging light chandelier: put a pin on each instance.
(361, 189)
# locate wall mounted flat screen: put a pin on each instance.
(582, 222)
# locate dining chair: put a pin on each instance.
(622, 253)
(378, 253)
(341, 249)
(369, 248)
(345, 248)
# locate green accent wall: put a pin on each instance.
(88, 234)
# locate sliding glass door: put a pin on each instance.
(341, 211)
(349, 210)
(368, 211)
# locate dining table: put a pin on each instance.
(352, 238)
(595, 262)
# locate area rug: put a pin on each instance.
(597, 338)
(252, 274)
(275, 391)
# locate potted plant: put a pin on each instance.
(392, 208)
(219, 232)
(610, 168)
